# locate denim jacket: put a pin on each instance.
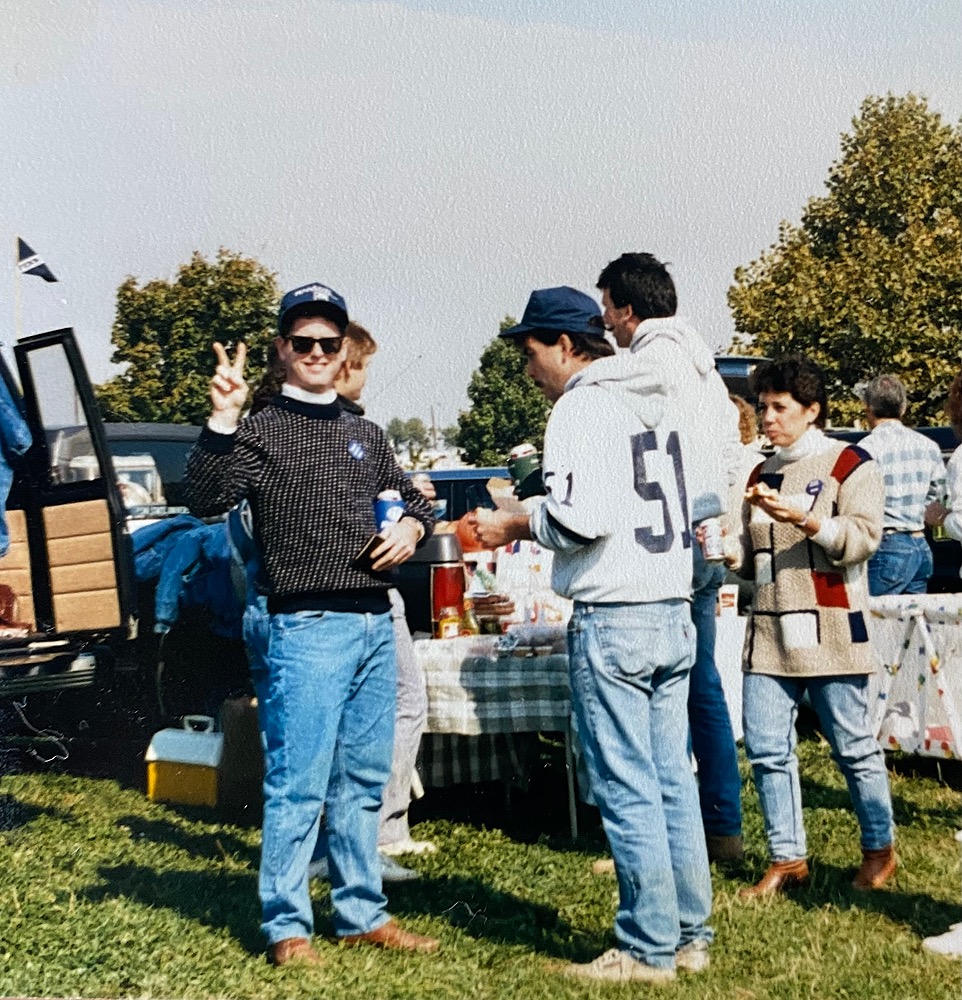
(15, 439)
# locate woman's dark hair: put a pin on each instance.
(270, 383)
(797, 375)
(953, 405)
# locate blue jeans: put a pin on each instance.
(325, 685)
(902, 564)
(770, 708)
(629, 668)
(712, 740)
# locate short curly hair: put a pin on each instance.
(797, 375)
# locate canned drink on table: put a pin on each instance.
(712, 546)
(388, 508)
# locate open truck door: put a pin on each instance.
(68, 576)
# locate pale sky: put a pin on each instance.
(433, 160)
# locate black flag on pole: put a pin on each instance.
(29, 262)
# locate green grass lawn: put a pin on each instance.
(103, 894)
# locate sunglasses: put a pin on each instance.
(304, 345)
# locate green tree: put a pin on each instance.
(506, 406)
(163, 332)
(410, 436)
(407, 433)
(870, 281)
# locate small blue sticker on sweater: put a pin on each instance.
(814, 487)
(356, 450)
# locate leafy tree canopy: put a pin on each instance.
(164, 330)
(871, 281)
(405, 433)
(506, 406)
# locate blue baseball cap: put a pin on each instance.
(314, 299)
(562, 310)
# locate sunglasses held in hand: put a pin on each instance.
(304, 345)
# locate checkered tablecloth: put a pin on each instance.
(478, 701)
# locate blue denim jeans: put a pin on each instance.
(629, 668)
(770, 706)
(712, 740)
(902, 564)
(325, 684)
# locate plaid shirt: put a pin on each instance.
(913, 471)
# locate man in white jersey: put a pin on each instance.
(617, 517)
(639, 300)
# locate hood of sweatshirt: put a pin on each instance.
(677, 331)
(634, 380)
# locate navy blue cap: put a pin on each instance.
(314, 299)
(562, 310)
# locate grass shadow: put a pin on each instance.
(216, 899)
(228, 900)
(483, 912)
(15, 815)
(215, 845)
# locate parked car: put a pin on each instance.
(166, 444)
(736, 370)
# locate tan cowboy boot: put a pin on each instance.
(780, 875)
(877, 868)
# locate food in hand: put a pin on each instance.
(760, 491)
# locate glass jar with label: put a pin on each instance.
(449, 622)
(469, 620)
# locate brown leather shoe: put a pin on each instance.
(390, 935)
(295, 951)
(780, 875)
(877, 868)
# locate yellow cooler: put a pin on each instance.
(182, 763)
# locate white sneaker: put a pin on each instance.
(407, 846)
(693, 957)
(948, 944)
(617, 966)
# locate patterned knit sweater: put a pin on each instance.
(811, 600)
(311, 473)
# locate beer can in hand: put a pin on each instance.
(388, 508)
(712, 546)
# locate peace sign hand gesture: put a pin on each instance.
(228, 390)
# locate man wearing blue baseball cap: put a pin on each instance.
(617, 517)
(325, 679)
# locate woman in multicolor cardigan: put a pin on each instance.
(811, 520)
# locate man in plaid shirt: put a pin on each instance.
(914, 476)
